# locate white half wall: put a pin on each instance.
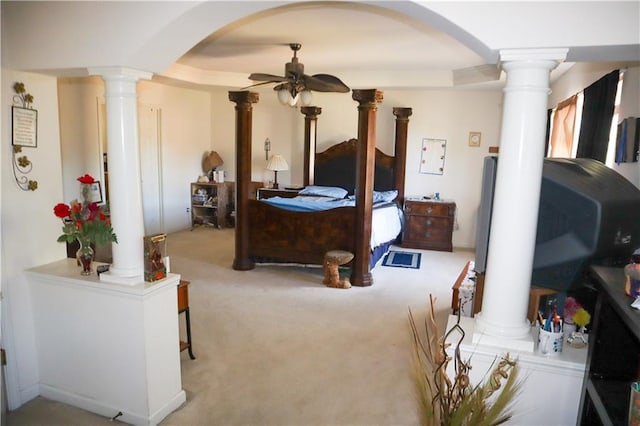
(29, 229)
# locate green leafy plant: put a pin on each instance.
(84, 221)
(451, 400)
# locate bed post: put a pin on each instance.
(365, 167)
(402, 123)
(311, 114)
(244, 109)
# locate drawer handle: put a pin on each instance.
(427, 234)
(429, 222)
(429, 209)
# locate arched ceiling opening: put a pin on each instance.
(366, 45)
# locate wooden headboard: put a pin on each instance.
(337, 167)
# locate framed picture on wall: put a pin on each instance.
(432, 157)
(475, 138)
(24, 127)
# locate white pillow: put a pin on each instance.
(381, 196)
(324, 191)
(387, 196)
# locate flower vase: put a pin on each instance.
(85, 256)
(568, 328)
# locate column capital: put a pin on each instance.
(241, 97)
(402, 113)
(364, 96)
(311, 111)
(552, 56)
(120, 72)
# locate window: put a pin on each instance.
(566, 121)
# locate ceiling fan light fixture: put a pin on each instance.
(295, 85)
(306, 97)
(284, 96)
(293, 100)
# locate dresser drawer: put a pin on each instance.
(428, 227)
(420, 208)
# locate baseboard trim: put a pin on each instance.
(106, 410)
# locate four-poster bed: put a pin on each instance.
(265, 232)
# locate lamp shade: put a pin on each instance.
(211, 160)
(277, 163)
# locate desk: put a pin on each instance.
(183, 306)
(477, 296)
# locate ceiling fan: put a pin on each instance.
(296, 84)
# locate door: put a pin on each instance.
(150, 168)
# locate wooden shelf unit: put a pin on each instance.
(209, 204)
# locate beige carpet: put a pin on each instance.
(276, 347)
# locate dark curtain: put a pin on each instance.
(597, 112)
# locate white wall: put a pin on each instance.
(185, 135)
(29, 229)
(78, 102)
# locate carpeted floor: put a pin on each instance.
(274, 346)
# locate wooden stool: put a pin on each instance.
(183, 306)
(333, 259)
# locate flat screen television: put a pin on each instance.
(588, 213)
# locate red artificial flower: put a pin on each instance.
(84, 219)
(86, 179)
(62, 210)
(159, 274)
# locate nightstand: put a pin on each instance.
(273, 192)
(428, 224)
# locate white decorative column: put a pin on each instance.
(502, 320)
(125, 190)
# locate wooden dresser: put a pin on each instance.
(428, 224)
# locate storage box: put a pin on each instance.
(154, 254)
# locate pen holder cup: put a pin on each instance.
(634, 404)
(550, 343)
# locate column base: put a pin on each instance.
(109, 277)
(512, 338)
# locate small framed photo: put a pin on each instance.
(24, 127)
(95, 192)
(475, 138)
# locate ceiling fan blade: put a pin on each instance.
(259, 84)
(266, 77)
(325, 83)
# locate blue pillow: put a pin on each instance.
(324, 191)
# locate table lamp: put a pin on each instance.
(277, 163)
